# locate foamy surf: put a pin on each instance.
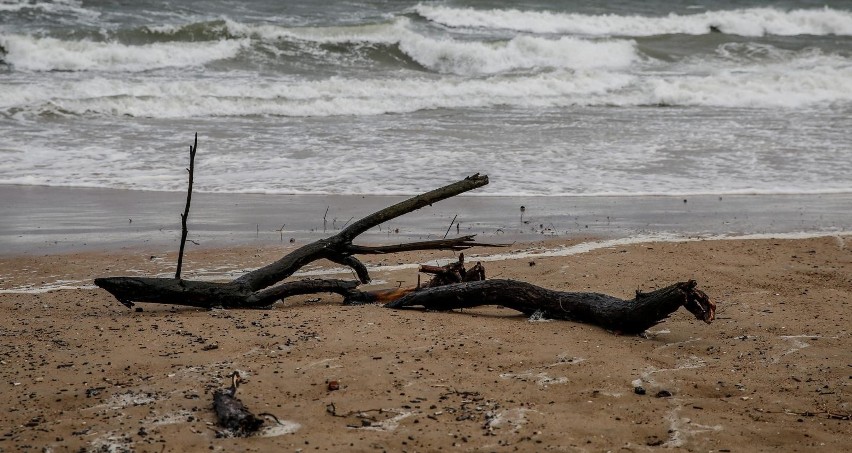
(745, 22)
(567, 99)
(28, 53)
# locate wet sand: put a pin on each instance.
(39, 220)
(772, 373)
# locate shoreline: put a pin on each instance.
(528, 251)
(40, 219)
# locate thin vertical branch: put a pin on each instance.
(451, 225)
(184, 230)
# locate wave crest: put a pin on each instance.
(744, 22)
(29, 53)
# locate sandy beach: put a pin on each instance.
(628, 146)
(772, 373)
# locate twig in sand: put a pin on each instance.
(184, 230)
(829, 414)
(332, 409)
(451, 225)
(324, 219)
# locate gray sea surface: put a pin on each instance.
(551, 99)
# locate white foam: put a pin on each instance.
(745, 22)
(514, 417)
(282, 428)
(239, 95)
(523, 75)
(579, 78)
(390, 424)
(58, 7)
(376, 33)
(681, 428)
(522, 52)
(586, 247)
(803, 79)
(48, 287)
(30, 53)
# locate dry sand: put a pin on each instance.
(772, 373)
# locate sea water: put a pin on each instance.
(549, 98)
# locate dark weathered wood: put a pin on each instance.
(459, 243)
(447, 274)
(248, 291)
(451, 287)
(273, 294)
(626, 316)
(130, 290)
(412, 204)
(185, 215)
(452, 273)
(232, 414)
(340, 245)
(176, 292)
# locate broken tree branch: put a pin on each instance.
(340, 245)
(456, 244)
(625, 316)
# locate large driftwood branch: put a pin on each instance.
(625, 316)
(451, 286)
(248, 290)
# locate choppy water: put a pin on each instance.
(381, 97)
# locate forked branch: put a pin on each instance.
(248, 291)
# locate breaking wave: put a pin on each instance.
(744, 22)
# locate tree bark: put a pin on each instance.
(624, 316)
(129, 290)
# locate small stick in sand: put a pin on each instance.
(183, 217)
(231, 413)
(451, 225)
(324, 219)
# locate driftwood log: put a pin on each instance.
(623, 316)
(451, 286)
(454, 287)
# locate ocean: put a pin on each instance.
(549, 98)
